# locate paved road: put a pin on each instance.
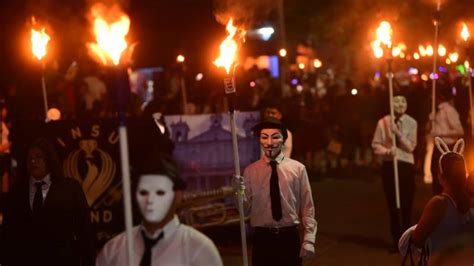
(353, 224)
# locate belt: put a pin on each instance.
(275, 230)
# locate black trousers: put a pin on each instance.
(276, 248)
(406, 181)
(437, 189)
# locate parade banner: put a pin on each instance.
(89, 151)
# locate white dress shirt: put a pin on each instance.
(295, 193)
(406, 143)
(181, 245)
(447, 124)
(44, 188)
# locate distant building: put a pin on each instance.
(206, 160)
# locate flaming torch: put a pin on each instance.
(110, 27)
(39, 42)
(465, 36)
(384, 40)
(227, 60)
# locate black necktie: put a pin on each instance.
(149, 244)
(38, 199)
(275, 193)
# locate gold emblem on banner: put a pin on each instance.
(100, 169)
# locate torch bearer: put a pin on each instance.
(465, 36)
(384, 38)
(110, 28)
(227, 58)
(39, 41)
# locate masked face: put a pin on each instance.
(271, 141)
(154, 196)
(399, 105)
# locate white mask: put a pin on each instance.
(271, 141)
(399, 104)
(154, 196)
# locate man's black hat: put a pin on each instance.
(270, 123)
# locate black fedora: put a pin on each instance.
(270, 123)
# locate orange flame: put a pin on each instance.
(383, 37)
(39, 41)
(229, 47)
(384, 33)
(465, 32)
(110, 28)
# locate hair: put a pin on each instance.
(51, 157)
(453, 168)
(162, 164)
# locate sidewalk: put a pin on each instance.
(353, 224)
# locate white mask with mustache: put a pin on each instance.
(271, 142)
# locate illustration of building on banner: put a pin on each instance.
(203, 147)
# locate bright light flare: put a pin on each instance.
(422, 50)
(317, 63)
(441, 50)
(110, 28)
(39, 42)
(301, 66)
(453, 57)
(416, 56)
(282, 52)
(429, 50)
(180, 59)
(229, 47)
(465, 32)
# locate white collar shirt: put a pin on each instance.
(406, 143)
(295, 194)
(447, 124)
(181, 245)
(44, 188)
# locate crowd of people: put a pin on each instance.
(315, 124)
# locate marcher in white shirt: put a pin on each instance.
(448, 127)
(158, 193)
(405, 130)
(279, 197)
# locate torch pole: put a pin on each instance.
(394, 140)
(434, 75)
(469, 83)
(230, 92)
(121, 82)
(45, 96)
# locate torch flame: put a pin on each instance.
(465, 32)
(110, 35)
(228, 48)
(384, 33)
(39, 41)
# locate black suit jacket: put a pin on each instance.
(60, 234)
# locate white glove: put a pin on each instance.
(307, 250)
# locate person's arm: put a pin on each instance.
(83, 228)
(207, 254)
(432, 215)
(407, 142)
(288, 145)
(248, 190)
(377, 140)
(310, 225)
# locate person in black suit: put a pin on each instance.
(46, 219)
